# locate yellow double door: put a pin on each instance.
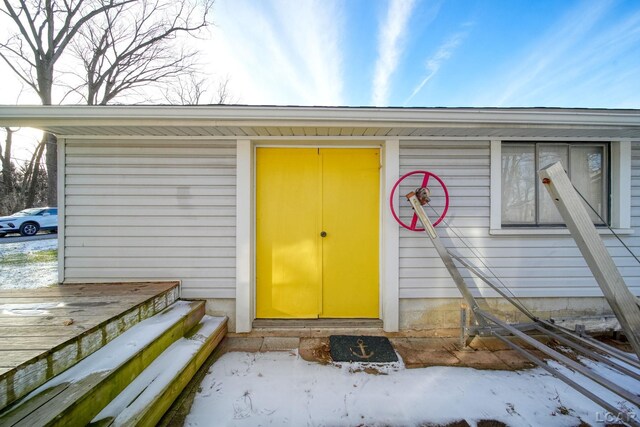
(317, 232)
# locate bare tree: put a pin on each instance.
(32, 175)
(134, 45)
(195, 89)
(223, 94)
(123, 45)
(8, 169)
(43, 29)
(22, 184)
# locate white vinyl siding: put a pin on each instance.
(151, 210)
(634, 241)
(536, 266)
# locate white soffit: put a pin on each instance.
(359, 122)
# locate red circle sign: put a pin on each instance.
(425, 180)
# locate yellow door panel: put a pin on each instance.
(288, 275)
(350, 252)
(301, 192)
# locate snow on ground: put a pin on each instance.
(29, 275)
(280, 388)
(28, 246)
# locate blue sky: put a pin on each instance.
(498, 53)
(425, 53)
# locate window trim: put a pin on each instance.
(619, 197)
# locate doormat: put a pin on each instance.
(350, 348)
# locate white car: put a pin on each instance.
(29, 221)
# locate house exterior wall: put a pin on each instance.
(157, 208)
(530, 265)
(145, 209)
(634, 242)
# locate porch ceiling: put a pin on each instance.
(318, 122)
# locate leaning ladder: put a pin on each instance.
(489, 325)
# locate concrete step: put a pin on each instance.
(150, 395)
(77, 395)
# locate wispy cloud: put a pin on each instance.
(567, 53)
(391, 44)
(313, 29)
(433, 64)
(290, 53)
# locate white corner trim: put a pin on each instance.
(389, 242)
(496, 185)
(244, 288)
(390, 254)
(62, 173)
(621, 184)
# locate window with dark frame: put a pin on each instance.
(526, 203)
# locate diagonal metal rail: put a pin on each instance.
(578, 367)
(583, 350)
(615, 290)
(446, 258)
(582, 345)
(576, 386)
(568, 337)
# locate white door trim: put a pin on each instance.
(245, 235)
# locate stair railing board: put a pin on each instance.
(86, 389)
(569, 204)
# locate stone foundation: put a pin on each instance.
(223, 307)
(444, 313)
(441, 316)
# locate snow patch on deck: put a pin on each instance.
(30, 309)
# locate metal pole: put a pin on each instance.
(482, 277)
(625, 394)
(587, 340)
(594, 397)
(622, 301)
(464, 330)
(446, 258)
(583, 350)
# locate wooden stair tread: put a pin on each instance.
(85, 388)
(148, 397)
(47, 330)
(82, 289)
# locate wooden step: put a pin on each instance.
(45, 331)
(78, 394)
(150, 395)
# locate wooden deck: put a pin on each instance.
(44, 331)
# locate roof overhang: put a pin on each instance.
(275, 121)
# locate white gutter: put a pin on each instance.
(41, 116)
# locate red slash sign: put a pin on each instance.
(425, 180)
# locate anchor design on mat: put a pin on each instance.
(363, 351)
